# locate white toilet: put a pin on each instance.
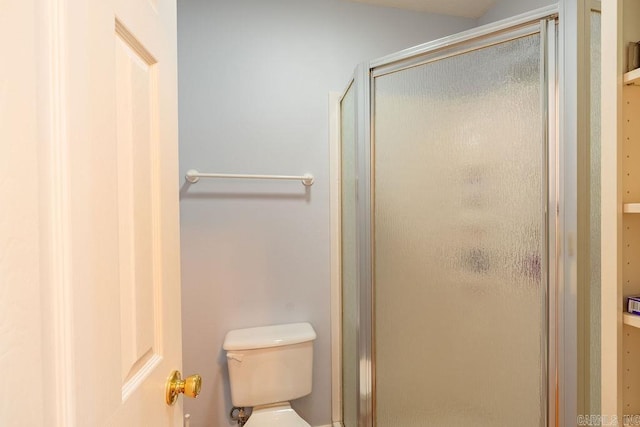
(268, 367)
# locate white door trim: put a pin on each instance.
(58, 355)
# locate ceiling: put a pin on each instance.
(462, 8)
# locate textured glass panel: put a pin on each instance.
(595, 217)
(349, 254)
(460, 285)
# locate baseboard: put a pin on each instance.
(336, 424)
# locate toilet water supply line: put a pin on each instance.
(241, 417)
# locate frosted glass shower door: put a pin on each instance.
(349, 257)
(460, 266)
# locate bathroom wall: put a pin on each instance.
(507, 8)
(23, 339)
(254, 79)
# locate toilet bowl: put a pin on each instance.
(279, 414)
(268, 367)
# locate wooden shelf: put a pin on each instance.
(631, 319)
(632, 77)
(631, 207)
(620, 234)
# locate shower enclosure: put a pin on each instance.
(449, 167)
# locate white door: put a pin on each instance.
(99, 205)
(123, 209)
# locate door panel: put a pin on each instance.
(122, 211)
(137, 126)
(460, 238)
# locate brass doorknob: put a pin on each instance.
(190, 386)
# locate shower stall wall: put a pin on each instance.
(449, 195)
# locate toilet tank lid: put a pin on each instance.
(268, 336)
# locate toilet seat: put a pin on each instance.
(277, 415)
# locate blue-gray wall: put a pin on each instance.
(254, 79)
(507, 8)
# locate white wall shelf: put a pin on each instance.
(631, 207)
(632, 77)
(631, 319)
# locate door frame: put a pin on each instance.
(335, 221)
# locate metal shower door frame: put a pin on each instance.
(544, 22)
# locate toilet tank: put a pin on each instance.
(269, 364)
